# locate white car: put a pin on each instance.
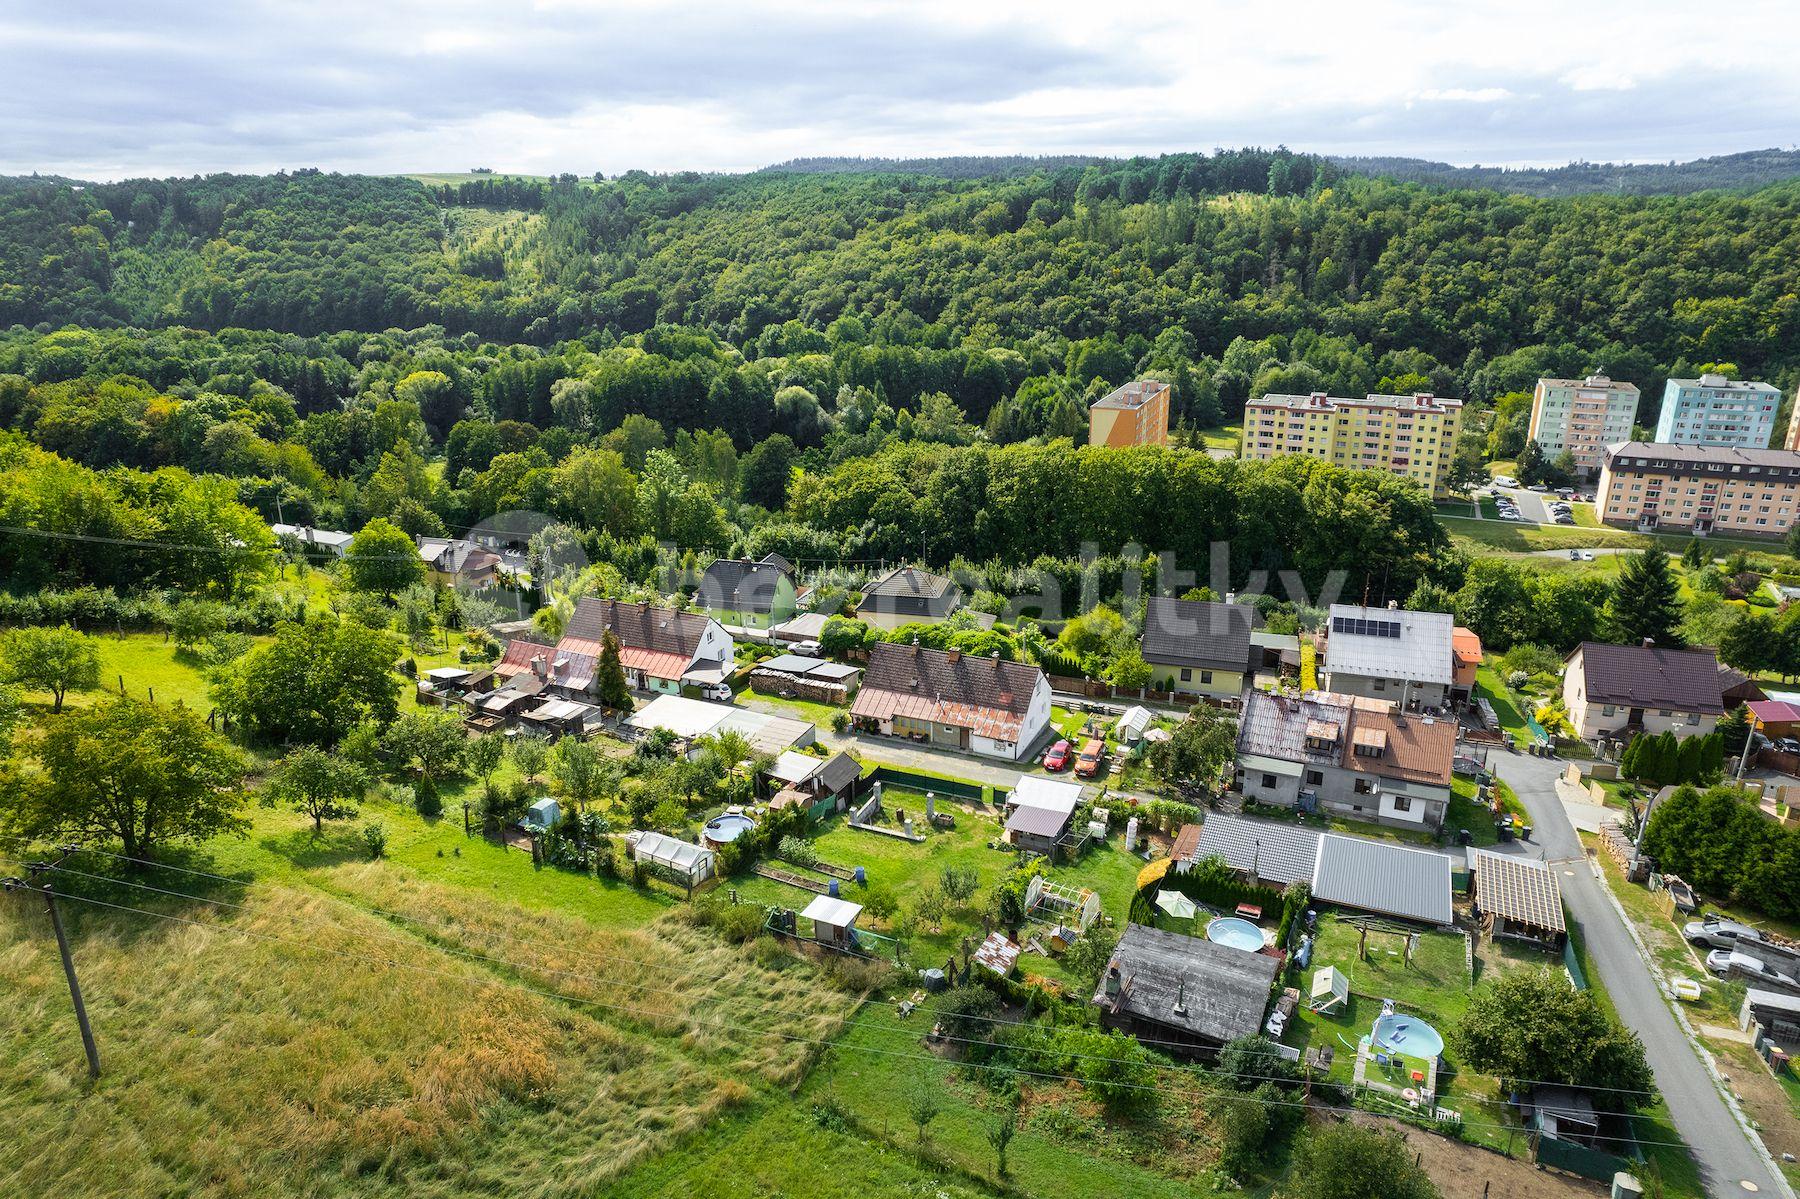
(1505, 481)
(719, 692)
(1586, 555)
(1723, 961)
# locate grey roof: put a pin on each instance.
(1274, 726)
(1649, 676)
(1379, 876)
(637, 626)
(813, 668)
(1197, 633)
(1132, 395)
(1042, 822)
(1269, 848)
(908, 591)
(740, 585)
(1654, 454)
(840, 771)
(804, 627)
(1420, 653)
(1222, 991)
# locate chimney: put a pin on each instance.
(1112, 981)
(537, 665)
(954, 654)
(1649, 643)
(995, 655)
(1181, 996)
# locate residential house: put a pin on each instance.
(324, 540)
(1618, 690)
(906, 595)
(752, 595)
(1184, 994)
(458, 562)
(1465, 646)
(987, 706)
(660, 648)
(1197, 647)
(1351, 872)
(1391, 654)
(1353, 756)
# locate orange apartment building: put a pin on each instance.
(1582, 416)
(1410, 436)
(1699, 488)
(1135, 414)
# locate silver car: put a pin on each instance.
(1719, 934)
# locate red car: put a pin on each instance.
(1058, 757)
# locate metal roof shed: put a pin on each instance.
(1393, 880)
(833, 920)
(1521, 894)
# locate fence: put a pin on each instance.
(1579, 1159)
(1572, 962)
(974, 792)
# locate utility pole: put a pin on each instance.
(68, 960)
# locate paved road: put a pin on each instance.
(1725, 1155)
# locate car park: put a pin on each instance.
(1720, 934)
(1058, 757)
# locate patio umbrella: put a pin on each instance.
(1176, 904)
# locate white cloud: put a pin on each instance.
(100, 89)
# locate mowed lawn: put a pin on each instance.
(146, 665)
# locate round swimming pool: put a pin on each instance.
(1406, 1034)
(723, 830)
(1235, 932)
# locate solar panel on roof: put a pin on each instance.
(1366, 628)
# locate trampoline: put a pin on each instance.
(1406, 1034)
(723, 830)
(1236, 932)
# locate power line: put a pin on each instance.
(671, 967)
(723, 1026)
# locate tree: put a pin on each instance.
(580, 772)
(57, 660)
(923, 1107)
(1000, 1134)
(766, 472)
(1198, 749)
(529, 756)
(1645, 602)
(1347, 1161)
(1429, 597)
(610, 677)
(194, 621)
(1734, 730)
(959, 882)
(1793, 540)
(316, 784)
(1530, 1026)
(484, 755)
(382, 559)
(313, 683)
(1694, 555)
(1087, 959)
(137, 773)
(12, 715)
(1129, 671)
(426, 744)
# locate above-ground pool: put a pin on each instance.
(1406, 1034)
(1235, 932)
(723, 830)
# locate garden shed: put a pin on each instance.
(543, 814)
(688, 863)
(833, 921)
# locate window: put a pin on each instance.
(1609, 710)
(1364, 787)
(1664, 712)
(1268, 780)
(1402, 803)
(1315, 778)
(1381, 684)
(1187, 676)
(1206, 676)
(1693, 718)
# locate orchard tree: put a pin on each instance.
(383, 559)
(313, 683)
(1531, 1026)
(318, 785)
(1340, 1160)
(426, 744)
(140, 774)
(55, 660)
(582, 774)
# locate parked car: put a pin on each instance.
(719, 692)
(1505, 481)
(1058, 757)
(1574, 555)
(1586, 555)
(1788, 745)
(1538, 487)
(1720, 934)
(807, 649)
(1088, 765)
(1724, 961)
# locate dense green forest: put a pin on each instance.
(1239, 256)
(1751, 168)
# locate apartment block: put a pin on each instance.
(1714, 410)
(1135, 414)
(1582, 416)
(1410, 436)
(1699, 489)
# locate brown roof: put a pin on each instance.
(1418, 748)
(1520, 889)
(1650, 676)
(1187, 844)
(989, 696)
(638, 626)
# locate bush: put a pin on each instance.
(736, 922)
(375, 841)
(840, 721)
(798, 851)
(964, 1011)
(426, 800)
(1243, 1132)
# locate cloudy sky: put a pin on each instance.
(105, 89)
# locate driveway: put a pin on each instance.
(1726, 1158)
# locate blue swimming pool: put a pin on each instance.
(1406, 1034)
(1235, 932)
(723, 830)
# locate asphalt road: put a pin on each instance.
(1726, 1158)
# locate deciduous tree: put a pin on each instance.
(55, 660)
